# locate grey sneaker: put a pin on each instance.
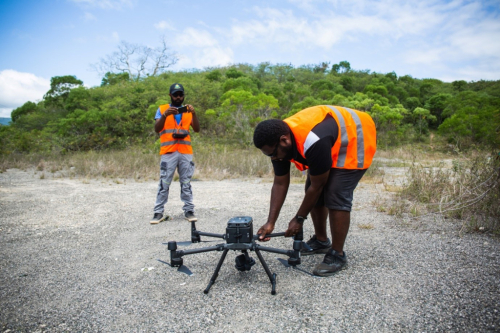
(157, 218)
(331, 264)
(317, 246)
(190, 217)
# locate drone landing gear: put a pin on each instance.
(239, 237)
(243, 263)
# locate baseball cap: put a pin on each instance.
(176, 87)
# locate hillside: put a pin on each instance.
(230, 101)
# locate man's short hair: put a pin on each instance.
(269, 132)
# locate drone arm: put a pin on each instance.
(273, 250)
(203, 249)
(176, 256)
(201, 233)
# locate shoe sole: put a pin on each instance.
(310, 253)
(329, 273)
(164, 218)
(191, 219)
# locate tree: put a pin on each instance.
(111, 78)
(341, 67)
(436, 104)
(60, 87)
(459, 85)
(27, 108)
(233, 73)
(422, 118)
(321, 68)
(346, 82)
(214, 75)
(137, 60)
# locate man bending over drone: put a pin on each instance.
(335, 145)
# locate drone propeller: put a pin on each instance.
(187, 243)
(286, 264)
(306, 246)
(182, 268)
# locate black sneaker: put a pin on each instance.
(157, 218)
(316, 246)
(332, 263)
(190, 217)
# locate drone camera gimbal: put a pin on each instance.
(239, 237)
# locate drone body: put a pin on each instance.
(239, 237)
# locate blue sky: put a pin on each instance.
(448, 40)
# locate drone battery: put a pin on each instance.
(239, 230)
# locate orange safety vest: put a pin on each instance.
(168, 143)
(355, 145)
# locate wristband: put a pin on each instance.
(300, 219)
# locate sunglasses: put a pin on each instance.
(275, 151)
(178, 94)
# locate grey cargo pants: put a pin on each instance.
(185, 167)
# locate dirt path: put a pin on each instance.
(73, 255)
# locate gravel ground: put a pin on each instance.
(82, 256)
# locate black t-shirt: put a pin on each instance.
(318, 149)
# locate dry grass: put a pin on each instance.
(456, 185)
(469, 190)
(212, 162)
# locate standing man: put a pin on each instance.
(176, 151)
(335, 145)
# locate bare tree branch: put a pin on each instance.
(137, 60)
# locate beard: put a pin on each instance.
(173, 103)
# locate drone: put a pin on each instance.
(239, 237)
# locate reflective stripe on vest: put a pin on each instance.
(345, 140)
(169, 143)
(356, 143)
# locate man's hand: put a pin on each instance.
(293, 228)
(190, 108)
(266, 229)
(169, 111)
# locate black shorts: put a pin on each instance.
(338, 191)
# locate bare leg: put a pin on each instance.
(340, 221)
(319, 215)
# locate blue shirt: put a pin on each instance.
(178, 117)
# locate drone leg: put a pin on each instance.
(216, 273)
(272, 277)
(195, 236)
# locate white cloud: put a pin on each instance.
(115, 37)
(327, 24)
(196, 38)
(105, 4)
(17, 88)
(89, 17)
(164, 25)
(464, 45)
(440, 34)
(201, 50)
(206, 57)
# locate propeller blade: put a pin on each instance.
(164, 262)
(185, 270)
(286, 264)
(187, 243)
(306, 246)
(182, 268)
